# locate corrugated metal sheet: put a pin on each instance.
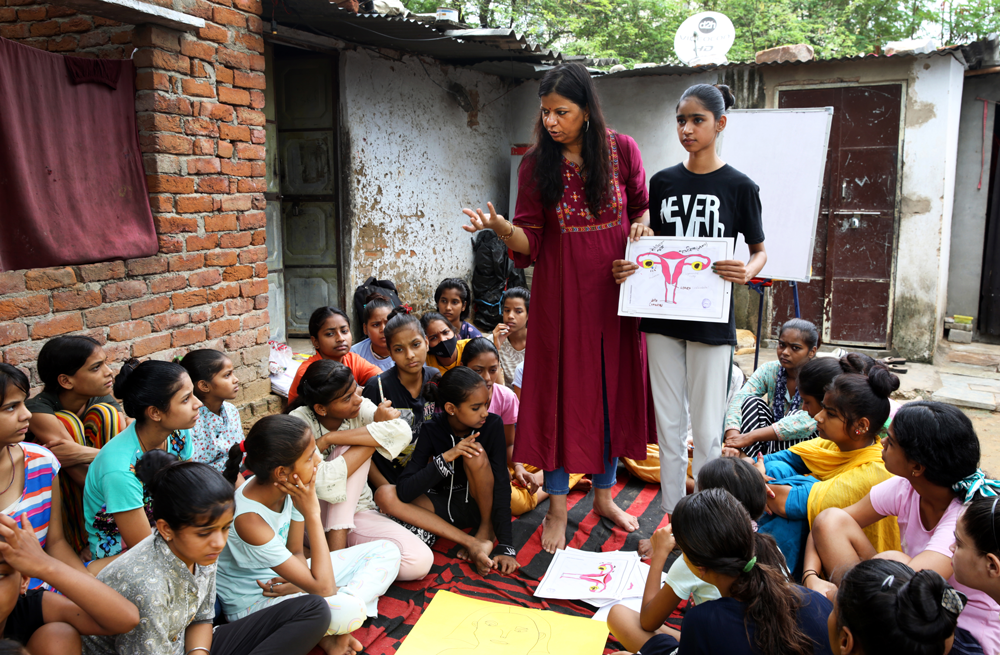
(511, 54)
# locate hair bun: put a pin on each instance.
(376, 295)
(150, 467)
(121, 380)
(922, 614)
(883, 382)
(727, 96)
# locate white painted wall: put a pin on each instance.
(416, 159)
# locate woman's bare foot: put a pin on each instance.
(645, 548)
(604, 505)
(341, 645)
(553, 532)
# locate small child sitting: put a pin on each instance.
(219, 426)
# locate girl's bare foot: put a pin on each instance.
(553, 532)
(341, 645)
(645, 548)
(584, 485)
(604, 505)
(481, 560)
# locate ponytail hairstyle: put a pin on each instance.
(430, 317)
(516, 292)
(203, 365)
(184, 493)
(273, 441)
(939, 437)
(817, 375)
(464, 292)
(318, 318)
(323, 381)
(399, 318)
(454, 387)
(981, 525)
(479, 345)
(572, 81)
(716, 98)
(12, 376)
(63, 356)
(147, 384)
(857, 396)
(714, 531)
(373, 301)
(890, 609)
(806, 328)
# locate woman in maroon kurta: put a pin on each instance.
(584, 392)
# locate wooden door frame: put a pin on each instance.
(897, 205)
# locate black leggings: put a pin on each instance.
(292, 627)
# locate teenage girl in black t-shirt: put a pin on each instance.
(701, 197)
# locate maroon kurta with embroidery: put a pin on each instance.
(574, 319)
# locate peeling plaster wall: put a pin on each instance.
(413, 159)
(930, 142)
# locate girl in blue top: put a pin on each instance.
(219, 427)
(160, 397)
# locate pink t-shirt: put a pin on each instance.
(897, 497)
(504, 404)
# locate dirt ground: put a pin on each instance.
(987, 427)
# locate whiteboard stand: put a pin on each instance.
(758, 285)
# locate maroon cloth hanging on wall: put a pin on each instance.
(72, 185)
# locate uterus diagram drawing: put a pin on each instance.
(673, 264)
(598, 580)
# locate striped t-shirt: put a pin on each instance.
(40, 470)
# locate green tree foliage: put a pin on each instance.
(638, 31)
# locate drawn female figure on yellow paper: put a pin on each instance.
(502, 631)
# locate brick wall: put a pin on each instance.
(201, 130)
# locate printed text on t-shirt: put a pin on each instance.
(694, 211)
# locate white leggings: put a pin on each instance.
(699, 372)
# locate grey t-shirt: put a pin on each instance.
(48, 403)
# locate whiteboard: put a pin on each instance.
(784, 152)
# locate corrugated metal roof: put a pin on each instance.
(509, 54)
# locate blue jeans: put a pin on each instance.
(557, 481)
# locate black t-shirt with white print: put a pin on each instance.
(722, 203)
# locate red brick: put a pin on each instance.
(249, 80)
(205, 147)
(175, 224)
(147, 266)
(237, 240)
(251, 42)
(214, 33)
(66, 300)
(258, 136)
(48, 28)
(106, 315)
(169, 244)
(169, 184)
(151, 306)
(64, 44)
(232, 96)
(148, 80)
(248, 151)
(150, 345)
(190, 299)
(31, 14)
(257, 62)
(208, 314)
(93, 39)
(255, 24)
(257, 100)
(249, 6)
(234, 273)
(201, 127)
(197, 88)
(203, 166)
(122, 36)
(53, 327)
(7, 14)
(253, 220)
(223, 327)
(223, 75)
(258, 169)
(225, 149)
(221, 258)
(27, 306)
(221, 112)
(150, 58)
(17, 355)
(250, 116)
(166, 321)
(76, 24)
(205, 278)
(240, 341)
(159, 102)
(124, 290)
(259, 238)
(237, 168)
(12, 333)
(159, 122)
(13, 281)
(186, 262)
(252, 288)
(199, 49)
(161, 203)
(171, 143)
(228, 17)
(256, 320)
(167, 283)
(260, 269)
(222, 293)
(263, 335)
(154, 36)
(207, 242)
(188, 336)
(129, 331)
(213, 185)
(55, 11)
(252, 185)
(234, 132)
(198, 69)
(221, 223)
(199, 8)
(239, 306)
(49, 278)
(193, 205)
(15, 31)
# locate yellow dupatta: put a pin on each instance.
(844, 479)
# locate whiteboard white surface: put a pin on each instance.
(784, 151)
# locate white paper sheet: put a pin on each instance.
(578, 575)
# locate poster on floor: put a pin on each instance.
(578, 575)
(457, 625)
(675, 279)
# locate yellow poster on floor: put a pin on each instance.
(456, 625)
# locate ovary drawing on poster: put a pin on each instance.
(675, 279)
(579, 575)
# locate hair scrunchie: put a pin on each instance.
(750, 564)
(967, 487)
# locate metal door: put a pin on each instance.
(850, 294)
(306, 128)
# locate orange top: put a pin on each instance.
(362, 369)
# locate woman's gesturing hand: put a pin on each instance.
(481, 221)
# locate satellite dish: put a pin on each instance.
(704, 38)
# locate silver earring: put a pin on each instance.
(587, 127)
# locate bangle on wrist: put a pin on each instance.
(507, 236)
(199, 648)
(807, 573)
